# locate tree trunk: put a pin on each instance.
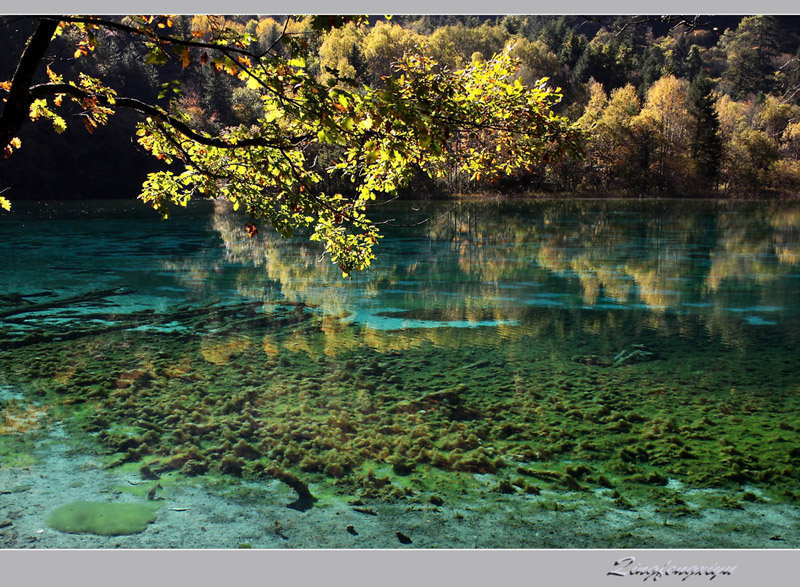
(19, 100)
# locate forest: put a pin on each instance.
(669, 106)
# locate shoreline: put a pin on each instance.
(488, 196)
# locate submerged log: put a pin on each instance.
(60, 302)
(232, 318)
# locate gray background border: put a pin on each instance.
(385, 568)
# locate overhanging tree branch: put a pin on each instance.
(374, 137)
(43, 90)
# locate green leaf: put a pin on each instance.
(157, 56)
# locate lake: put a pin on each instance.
(518, 374)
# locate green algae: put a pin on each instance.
(445, 419)
(16, 451)
(102, 518)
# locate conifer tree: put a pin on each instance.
(706, 143)
(750, 51)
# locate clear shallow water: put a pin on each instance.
(534, 351)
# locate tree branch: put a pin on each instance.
(42, 90)
(151, 34)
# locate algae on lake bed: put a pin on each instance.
(524, 411)
(104, 519)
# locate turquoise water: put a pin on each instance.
(624, 356)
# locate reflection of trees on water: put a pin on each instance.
(458, 266)
(610, 248)
(745, 250)
(664, 255)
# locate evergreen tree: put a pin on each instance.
(571, 50)
(606, 62)
(555, 32)
(706, 143)
(652, 68)
(694, 62)
(677, 61)
(750, 52)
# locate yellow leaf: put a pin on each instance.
(183, 54)
(15, 142)
(54, 77)
(59, 124)
(5, 204)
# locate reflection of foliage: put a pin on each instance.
(296, 271)
(612, 252)
(607, 251)
(742, 253)
(587, 240)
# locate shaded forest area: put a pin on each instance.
(672, 106)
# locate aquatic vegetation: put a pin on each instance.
(302, 422)
(17, 418)
(105, 519)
